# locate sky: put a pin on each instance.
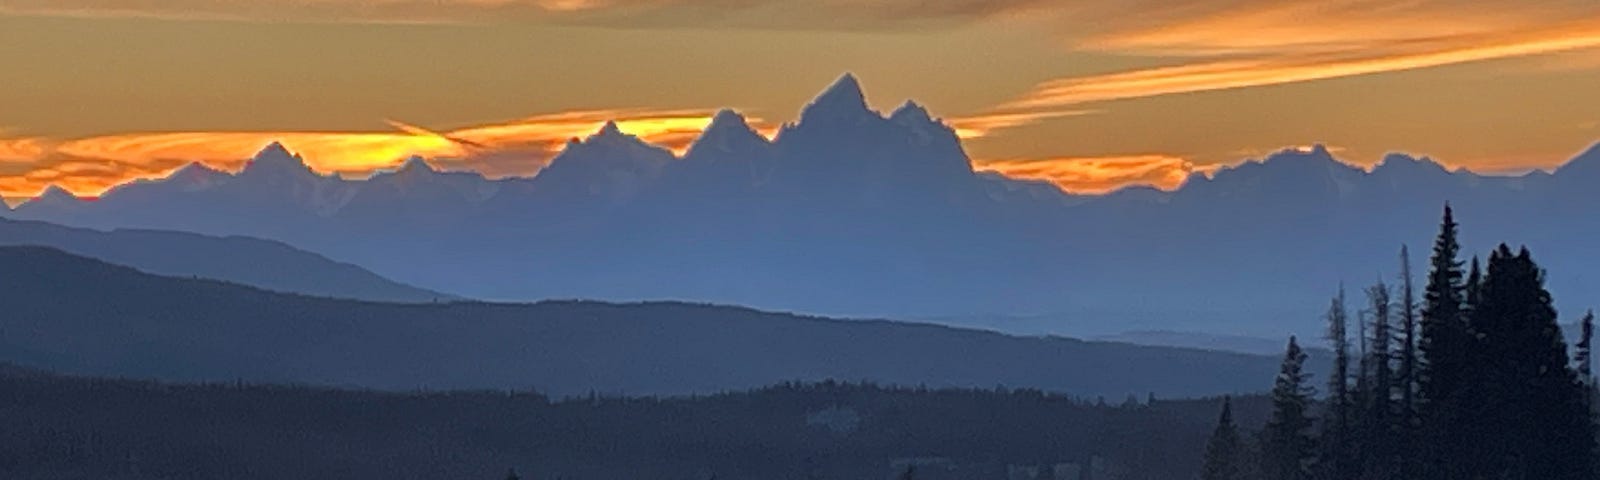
(1093, 95)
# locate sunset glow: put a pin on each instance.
(1096, 175)
(1089, 95)
(89, 166)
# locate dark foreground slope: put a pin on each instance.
(260, 263)
(81, 315)
(59, 428)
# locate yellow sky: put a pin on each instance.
(1093, 94)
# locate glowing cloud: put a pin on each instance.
(89, 166)
(1258, 44)
(1095, 175)
(21, 150)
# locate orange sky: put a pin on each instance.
(1091, 94)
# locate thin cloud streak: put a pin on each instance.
(1287, 42)
(1215, 44)
(1098, 175)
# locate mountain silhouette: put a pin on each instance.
(246, 261)
(850, 211)
(79, 315)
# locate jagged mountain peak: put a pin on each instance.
(1297, 158)
(609, 147)
(1288, 173)
(610, 129)
(56, 192)
(1307, 159)
(196, 176)
(52, 195)
(845, 89)
(275, 158)
(196, 169)
(727, 119)
(1401, 164)
(1317, 151)
(841, 100)
(911, 112)
(275, 148)
(611, 136)
(728, 132)
(415, 165)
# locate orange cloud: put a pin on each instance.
(89, 166)
(21, 149)
(1095, 175)
(1258, 44)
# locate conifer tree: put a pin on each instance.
(1591, 388)
(1377, 430)
(1339, 457)
(1528, 407)
(1443, 343)
(1582, 355)
(1472, 292)
(1405, 376)
(1584, 358)
(1443, 335)
(1379, 354)
(1407, 420)
(1287, 448)
(1225, 450)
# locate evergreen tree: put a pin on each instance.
(511, 474)
(1443, 327)
(1585, 361)
(1472, 292)
(1339, 457)
(1379, 354)
(1376, 426)
(1405, 377)
(1584, 358)
(1443, 344)
(1225, 450)
(1287, 448)
(1407, 420)
(1582, 355)
(1528, 405)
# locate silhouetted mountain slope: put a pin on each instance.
(248, 261)
(850, 211)
(112, 320)
(62, 427)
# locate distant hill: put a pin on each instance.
(64, 427)
(1229, 343)
(85, 316)
(259, 263)
(856, 212)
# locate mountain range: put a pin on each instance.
(83, 316)
(258, 263)
(849, 211)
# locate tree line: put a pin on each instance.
(1474, 382)
(63, 427)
